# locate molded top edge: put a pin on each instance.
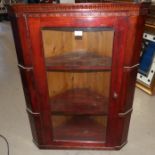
(108, 6)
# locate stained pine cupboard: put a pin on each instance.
(78, 64)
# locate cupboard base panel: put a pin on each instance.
(80, 146)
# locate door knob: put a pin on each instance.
(115, 95)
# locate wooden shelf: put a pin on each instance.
(78, 61)
(79, 102)
(80, 129)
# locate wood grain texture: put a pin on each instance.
(122, 45)
(64, 51)
(80, 128)
(59, 82)
(96, 40)
(79, 102)
(79, 61)
(115, 8)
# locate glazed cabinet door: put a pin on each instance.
(78, 71)
(73, 73)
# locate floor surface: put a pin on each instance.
(14, 122)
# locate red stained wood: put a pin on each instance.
(78, 61)
(127, 21)
(79, 102)
(80, 129)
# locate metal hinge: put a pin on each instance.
(130, 67)
(31, 112)
(25, 68)
(125, 113)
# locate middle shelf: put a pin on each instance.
(77, 61)
(79, 102)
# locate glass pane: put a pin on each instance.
(79, 128)
(78, 63)
(77, 49)
(79, 93)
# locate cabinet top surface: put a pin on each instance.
(115, 7)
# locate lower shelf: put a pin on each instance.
(79, 128)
